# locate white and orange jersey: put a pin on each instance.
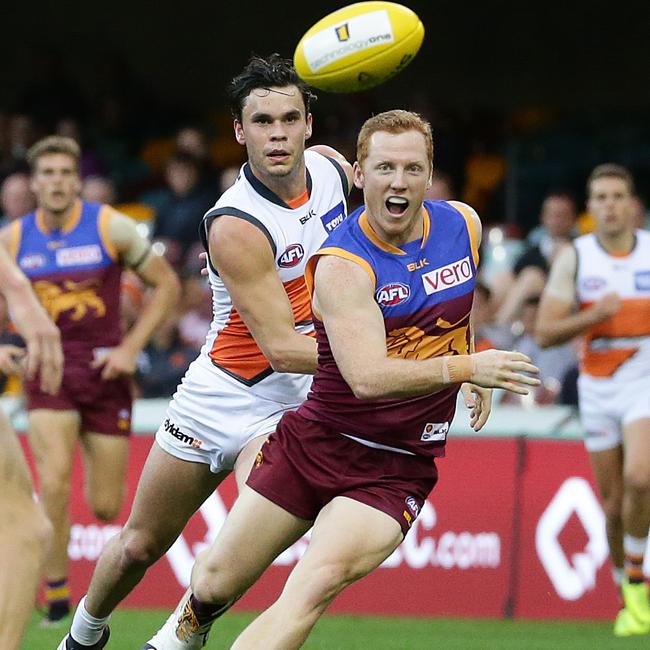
(619, 345)
(295, 231)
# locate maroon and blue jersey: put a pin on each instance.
(424, 290)
(75, 273)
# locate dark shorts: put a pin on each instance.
(104, 406)
(304, 465)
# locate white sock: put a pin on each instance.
(634, 545)
(86, 629)
(617, 575)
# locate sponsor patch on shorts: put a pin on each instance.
(435, 432)
(175, 431)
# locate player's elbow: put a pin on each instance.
(544, 337)
(280, 362)
(364, 388)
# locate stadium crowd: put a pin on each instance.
(165, 171)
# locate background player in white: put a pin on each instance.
(606, 274)
(25, 532)
(259, 236)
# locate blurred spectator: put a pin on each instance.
(487, 334)
(227, 178)
(18, 135)
(89, 165)
(98, 189)
(554, 363)
(184, 202)
(193, 141)
(557, 219)
(441, 189)
(16, 197)
(163, 362)
(197, 301)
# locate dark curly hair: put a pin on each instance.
(265, 73)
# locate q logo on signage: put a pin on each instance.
(572, 577)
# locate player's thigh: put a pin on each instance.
(255, 532)
(105, 460)
(14, 473)
(52, 438)
(169, 492)
(348, 541)
(607, 465)
(636, 435)
(246, 458)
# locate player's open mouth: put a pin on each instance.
(397, 205)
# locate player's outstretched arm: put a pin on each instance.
(355, 329)
(41, 335)
(153, 269)
(556, 320)
(244, 260)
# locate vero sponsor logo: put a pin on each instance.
(447, 276)
(291, 256)
(392, 294)
(79, 255)
(642, 280)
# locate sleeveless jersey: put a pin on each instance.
(294, 234)
(75, 273)
(424, 290)
(621, 344)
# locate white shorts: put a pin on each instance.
(212, 417)
(607, 404)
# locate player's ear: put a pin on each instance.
(308, 129)
(358, 175)
(239, 132)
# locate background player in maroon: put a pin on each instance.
(74, 253)
(359, 494)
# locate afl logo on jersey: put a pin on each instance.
(34, 261)
(593, 283)
(291, 256)
(392, 294)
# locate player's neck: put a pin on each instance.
(618, 244)
(56, 220)
(287, 187)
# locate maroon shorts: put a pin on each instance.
(104, 406)
(304, 465)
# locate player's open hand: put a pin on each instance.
(479, 402)
(512, 371)
(44, 354)
(115, 362)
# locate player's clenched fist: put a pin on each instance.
(502, 369)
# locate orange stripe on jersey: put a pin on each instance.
(632, 320)
(16, 235)
(471, 228)
(235, 349)
(299, 200)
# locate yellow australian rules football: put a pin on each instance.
(359, 46)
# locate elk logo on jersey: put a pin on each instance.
(291, 256)
(392, 294)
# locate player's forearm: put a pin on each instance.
(163, 300)
(294, 353)
(387, 378)
(550, 332)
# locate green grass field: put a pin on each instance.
(130, 629)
